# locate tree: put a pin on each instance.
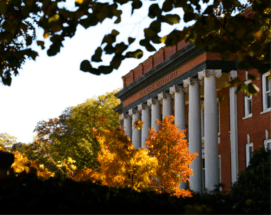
(121, 164)
(216, 28)
(70, 137)
(252, 189)
(169, 146)
(7, 140)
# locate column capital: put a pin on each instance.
(232, 75)
(132, 111)
(210, 72)
(122, 116)
(141, 107)
(190, 81)
(162, 96)
(152, 101)
(175, 89)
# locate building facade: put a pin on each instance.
(192, 84)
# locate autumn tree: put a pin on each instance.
(121, 164)
(71, 137)
(169, 146)
(7, 141)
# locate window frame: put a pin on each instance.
(248, 145)
(266, 142)
(247, 100)
(265, 109)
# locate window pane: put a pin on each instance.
(219, 168)
(249, 104)
(203, 163)
(267, 81)
(250, 152)
(268, 100)
(269, 145)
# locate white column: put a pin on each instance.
(146, 119)
(127, 125)
(233, 130)
(194, 132)
(136, 138)
(210, 126)
(155, 112)
(166, 102)
(179, 111)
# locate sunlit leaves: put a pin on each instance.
(169, 146)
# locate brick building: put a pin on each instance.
(187, 82)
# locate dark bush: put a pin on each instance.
(252, 190)
(28, 194)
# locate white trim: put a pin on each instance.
(249, 116)
(266, 143)
(248, 145)
(246, 101)
(265, 109)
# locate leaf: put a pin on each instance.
(54, 18)
(136, 4)
(97, 56)
(85, 66)
(41, 44)
(171, 19)
(135, 54)
(131, 40)
(241, 88)
(138, 124)
(252, 77)
(253, 89)
(188, 16)
(154, 11)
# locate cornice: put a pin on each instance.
(179, 58)
(226, 66)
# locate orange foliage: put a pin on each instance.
(121, 164)
(161, 167)
(170, 148)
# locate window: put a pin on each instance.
(247, 100)
(267, 144)
(218, 117)
(249, 152)
(266, 85)
(248, 105)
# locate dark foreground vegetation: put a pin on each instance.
(28, 194)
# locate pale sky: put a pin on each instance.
(47, 86)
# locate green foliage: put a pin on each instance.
(215, 29)
(71, 137)
(252, 190)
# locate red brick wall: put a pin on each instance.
(147, 65)
(138, 72)
(224, 147)
(169, 51)
(129, 78)
(158, 57)
(254, 126)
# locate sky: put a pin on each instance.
(47, 86)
